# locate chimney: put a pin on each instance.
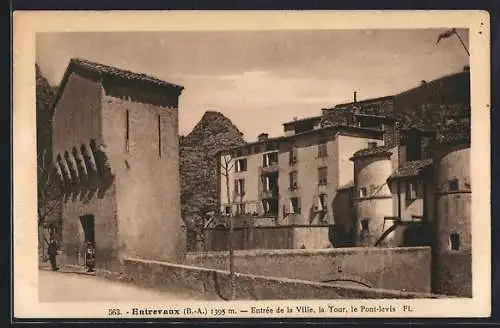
(355, 98)
(263, 136)
(423, 82)
(467, 68)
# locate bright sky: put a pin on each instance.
(261, 79)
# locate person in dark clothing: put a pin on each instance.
(90, 257)
(53, 254)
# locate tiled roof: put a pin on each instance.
(346, 186)
(453, 138)
(372, 151)
(120, 73)
(411, 169)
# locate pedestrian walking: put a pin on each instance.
(52, 250)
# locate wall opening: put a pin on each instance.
(159, 136)
(88, 224)
(455, 241)
(365, 225)
(127, 130)
(453, 184)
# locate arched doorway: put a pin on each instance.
(88, 225)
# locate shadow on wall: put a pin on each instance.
(342, 232)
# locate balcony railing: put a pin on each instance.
(271, 168)
(251, 209)
(266, 194)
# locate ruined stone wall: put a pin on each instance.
(200, 178)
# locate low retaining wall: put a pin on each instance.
(176, 277)
(404, 268)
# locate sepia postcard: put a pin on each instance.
(314, 164)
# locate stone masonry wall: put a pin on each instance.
(390, 268)
(174, 277)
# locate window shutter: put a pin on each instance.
(291, 210)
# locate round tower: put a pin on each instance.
(452, 258)
(373, 199)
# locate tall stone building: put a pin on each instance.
(116, 149)
(292, 181)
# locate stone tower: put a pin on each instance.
(453, 260)
(116, 149)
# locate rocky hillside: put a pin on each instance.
(44, 97)
(49, 207)
(442, 105)
(198, 164)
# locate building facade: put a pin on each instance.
(393, 193)
(115, 146)
(292, 180)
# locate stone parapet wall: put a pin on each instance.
(402, 268)
(176, 277)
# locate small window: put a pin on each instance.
(322, 175)
(322, 149)
(159, 136)
(241, 165)
(365, 225)
(127, 130)
(322, 202)
(295, 205)
(241, 208)
(227, 210)
(363, 192)
(293, 180)
(239, 187)
(269, 159)
(455, 241)
(411, 190)
(292, 156)
(453, 184)
(267, 184)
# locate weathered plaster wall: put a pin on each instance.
(390, 268)
(76, 121)
(308, 189)
(147, 183)
(311, 237)
(453, 214)
(77, 116)
(347, 146)
(411, 207)
(106, 230)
